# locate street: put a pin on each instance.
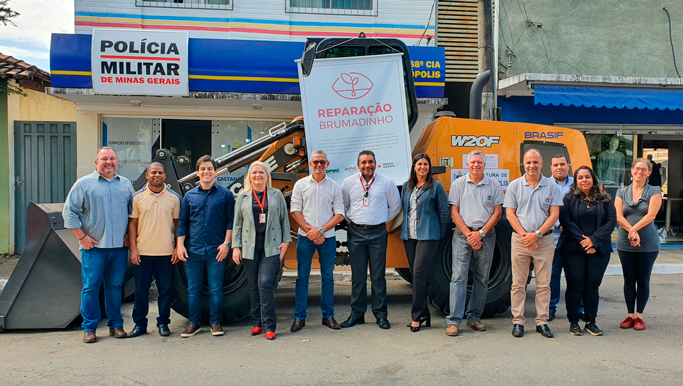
(365, 354)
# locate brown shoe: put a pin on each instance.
(297, 325)
(191, 330)
(331, 323)
(452, 330)
(217, 330)
(89, 337)
(117, 332)
(476, 326)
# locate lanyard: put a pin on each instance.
(260, 204)
(363, 185)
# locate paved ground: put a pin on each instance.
(365, 354)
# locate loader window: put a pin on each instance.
(548, 150)
(344, 51)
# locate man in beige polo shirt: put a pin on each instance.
(151, 230)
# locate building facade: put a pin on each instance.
(607, 68)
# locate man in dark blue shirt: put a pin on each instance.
(204, 234)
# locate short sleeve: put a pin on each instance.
(511, 197)
(454, 194)
(498, 196)
(176, 208)
(620, 193)
(135, 212)
(556, 195)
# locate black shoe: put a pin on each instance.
(518, 331)
(137, 331)
(383, 323)
(592, 329)
(331, 323)
(163, 330)
(551, 314)
(297, 325)
(575, 329)
(426, 320)
(352, 321)
(545, 331)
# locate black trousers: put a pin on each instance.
(161, 269)
(420, 256)
(637, 268)
(368, 246)
(584, 275)
(261, 276)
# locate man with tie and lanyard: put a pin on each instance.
(370, 201)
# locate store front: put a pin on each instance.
(222, 95)
(622, 119)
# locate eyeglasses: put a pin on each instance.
(319, 162)
(642, 170)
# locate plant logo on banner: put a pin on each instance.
(353, 85)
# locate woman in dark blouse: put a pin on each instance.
(588, 218)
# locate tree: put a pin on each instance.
(6, 13)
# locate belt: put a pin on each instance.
(367, 227)
(473, 229)
(545, 234)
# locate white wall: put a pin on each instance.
(394, 17)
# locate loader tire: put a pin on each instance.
(235, 293)
(500, 276)
(405, 274)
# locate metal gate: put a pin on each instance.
(45, 168)
(457, 31)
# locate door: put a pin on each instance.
(45, 168)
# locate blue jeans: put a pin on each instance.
(327, 251)
(464, 259)
(97, 265)
(555, 280)
(194, 268)
(161, 268)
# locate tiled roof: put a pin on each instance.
(20, 70)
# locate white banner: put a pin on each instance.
(355, 104)
(139, 62)
(500, 175)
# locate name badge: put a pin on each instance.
(365, 202)
(262, 218)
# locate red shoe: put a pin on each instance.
(256, 330)
(639, 325)
(628, 323)
(270, 335)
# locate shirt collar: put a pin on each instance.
(151, 192)
(567, 181)
(324, 179)
(540, 183)
(96, 174)
(374, 176)
(482, 182)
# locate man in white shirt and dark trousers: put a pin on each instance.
(370, 201)
(317, 207)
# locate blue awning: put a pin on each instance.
(609, 97)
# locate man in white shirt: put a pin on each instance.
(317, 207)
(370, 201)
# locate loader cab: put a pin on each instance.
(319, 48)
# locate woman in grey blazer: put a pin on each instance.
(425, 219)
(260, 236)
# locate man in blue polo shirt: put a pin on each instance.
(96, 210)
(204, 234)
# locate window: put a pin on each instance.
(334, 7)
(548, 150)
(197, 4)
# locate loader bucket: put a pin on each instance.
(44, 289)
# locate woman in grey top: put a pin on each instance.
(425, 221)
(637, 240)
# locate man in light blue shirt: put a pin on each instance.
(560, 169)
(96, 210)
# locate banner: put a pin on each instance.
(500, 175)
(134, 62)
(354, 104)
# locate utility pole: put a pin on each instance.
(486, 55)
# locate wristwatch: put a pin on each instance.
(228, 244)
(482, 233)
(539, 234)
(322, 231)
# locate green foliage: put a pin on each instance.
(7, 88)
(6, 13)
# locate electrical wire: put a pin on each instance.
(671, 40)
(427, 25)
